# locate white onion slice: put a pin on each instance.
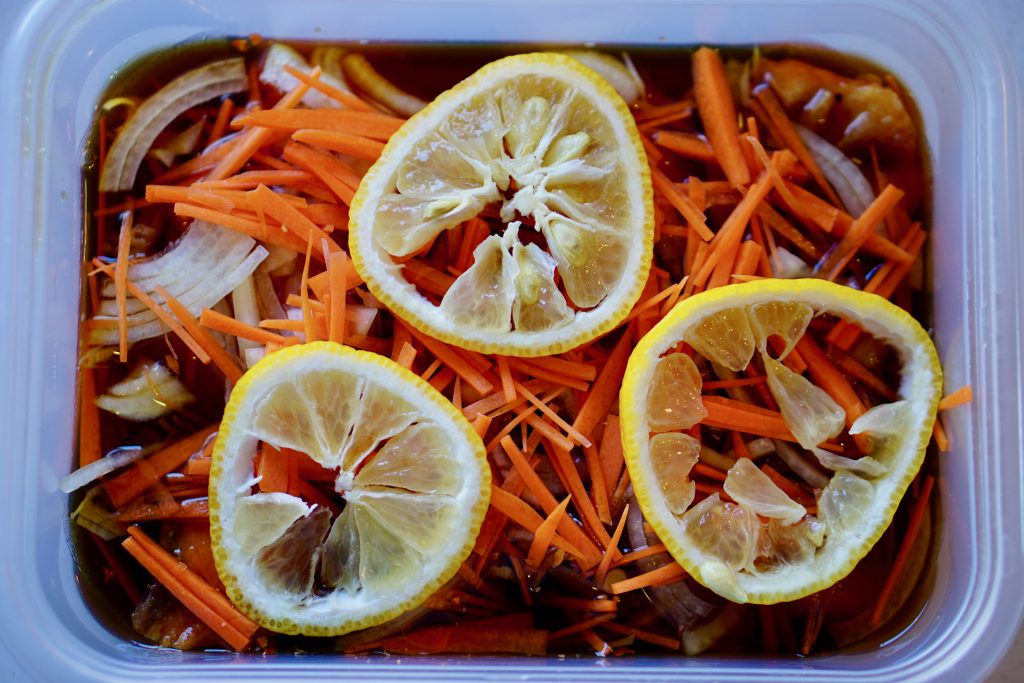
(800, 467)
(844, 175)
(166, 104)
(149, 392)
(199, 270)
(117, 458)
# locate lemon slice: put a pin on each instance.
(549, 147)
(762, 546)
(410, 472)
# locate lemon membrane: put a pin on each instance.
(763, 547)
(410, 468)
(553, 146)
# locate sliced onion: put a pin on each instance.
(149, 392)
(787, 265)
(620, 74)
(184, 92)
(278, 57)
(866, 467)
(92, 514)
(844, 175)
(199, 270)
(119, 457)
(183, 143)
(799, 465)
(361, 73)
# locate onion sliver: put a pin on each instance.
(278, 57)
(184, 92)
(844, 175)
(119, 457)
(199, 270)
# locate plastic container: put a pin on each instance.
(61, 56)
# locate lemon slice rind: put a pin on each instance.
(921, 383)
(383, 275)
(340, 611)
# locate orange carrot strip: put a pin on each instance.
(831, 219)
(640, 554)
(598, 485)
(272, 469)
(124, 243)
(726, 413)
(566, 470)
(605, 389)
(611, 452)
(664, 573)
(216, 601)
(694, 216)
(544, 533)
(195, 604)
(718, 114)
(686, 145)
(346, 98)
(128, 485)
(774, 220)
(345, 143)
(939, 433)
(160, 313)
(508, 386)
(551, 415)
(454, 361)
(525, 516)
(747, 258)
(261, 232)
(958, 398)
(582, 625)
(427, 278)
(406, 356)
(837, 258)
(337, 265)
(220, 357)
(330, 171)
(835, 384)
(852, 367)
(771, 112)
(648, 113)
(708, 471)
(290, 218)
(250, 141)
(144, 511)
(307, 312)
(647, 636)
(916, 516)
(368, 124)
(566, 526)
(89, 443)
(228, 325)
(611, 550)
(220, 124)
(525, 366)
(599, 605)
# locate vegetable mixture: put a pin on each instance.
(218, 235)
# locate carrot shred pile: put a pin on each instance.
(737, 193)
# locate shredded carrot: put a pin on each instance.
(611, 549)
(242, 224)
(667, 572)
(545, 533)
(342, 96)
(508, 385)
(453, 360)
(604, 391)
(337, 265)
(647, 636)
(345, 143)
(837, 258)
(145, 473)
(236, 328)
(727, 413)
(694, 216)
(686, 145)
(718, 114)
(835, 384)
(89, 442)
(220, 357)
(124, 241)
(253, 138)
(522, 514)
(374, 125)
(202, 599)
(333, 173)
(959, 397)
(641, 553)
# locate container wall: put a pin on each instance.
(60, 61)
